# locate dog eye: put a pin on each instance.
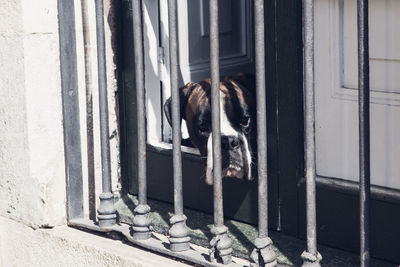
(204, 128)
(245, 122)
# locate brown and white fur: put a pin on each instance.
(237, 119)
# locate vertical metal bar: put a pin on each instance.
(215, 114)
(220, 244)
(311, 257)
(106, 213)
(179, 235)
(70, 103)
(364, 139)
(141, 221)
(263, 254)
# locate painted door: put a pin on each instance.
(336, 126)
(337, 93)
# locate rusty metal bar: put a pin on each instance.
(141, 221)
(311, 257)
(220, 244)
(179, 235)
(263, 253)
(364, 137)
(106, 212)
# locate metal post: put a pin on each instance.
(311, 257)
(220, 244)
(364, 150)
(179, 235)
(263, 253)
(70, 105)
(106, 213)
(141, 221)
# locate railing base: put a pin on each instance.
(310, 260)
(263, 254)
(141, 222)
(157, 243)
(140, 235)
(179, 245)
(179, 234)
(221, 245)
(107, 214)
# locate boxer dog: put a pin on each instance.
(238, 123)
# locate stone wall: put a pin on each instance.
(32, 182)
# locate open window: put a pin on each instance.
(236, 55)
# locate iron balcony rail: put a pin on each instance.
(107, 214)
(220, 244)
(140, 232)
(363, 118)
(141, 221)
(179, 234)
(310, 257)
(263, 253)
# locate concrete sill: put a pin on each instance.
(65, 246)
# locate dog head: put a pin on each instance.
(237, 119)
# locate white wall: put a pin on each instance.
(32, 183)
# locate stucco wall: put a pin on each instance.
(32, 183)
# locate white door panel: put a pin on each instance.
(336, 95)
(384, 45)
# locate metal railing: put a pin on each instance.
(141, 221)
(179, 234)
(107, 214)
(263, 253)
(310, 257)
(220, 244)
(140, 232)
(363, 118)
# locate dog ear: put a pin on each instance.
(247, 80)
(184, 93)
